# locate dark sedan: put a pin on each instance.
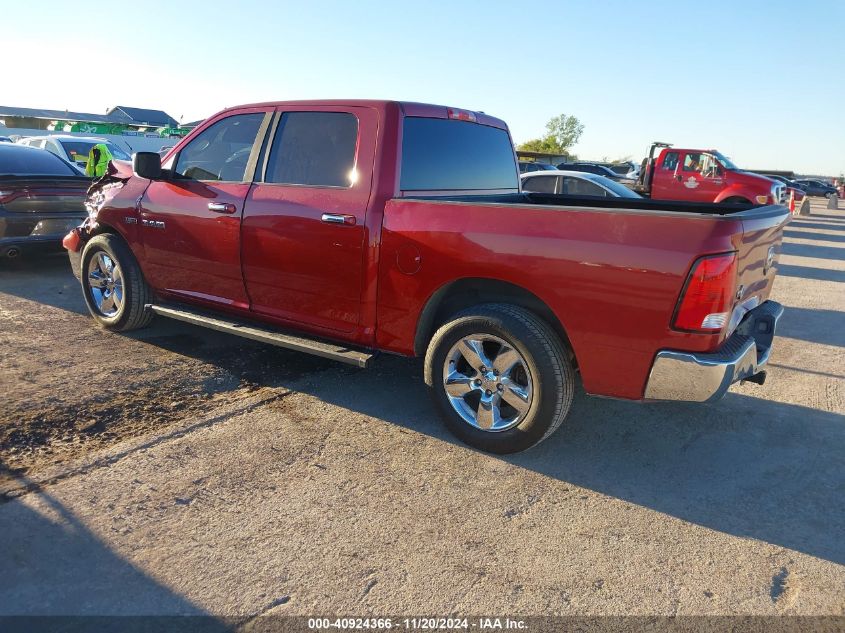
(593, 168)
(816, 187)
(41, 198)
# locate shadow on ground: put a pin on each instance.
(821, 237)
(816, 326)
(44, 540)
(807, 272)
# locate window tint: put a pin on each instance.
(540, 184)
(447, 154)
(578, 187)
(314, 148)
(221, 151)
(21, 161)
(670, 161)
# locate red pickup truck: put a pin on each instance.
(703, 175)
(344, 228)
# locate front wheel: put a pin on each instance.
(500, 377)
(113, 285)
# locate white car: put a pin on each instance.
(575, 183)
(73, 149)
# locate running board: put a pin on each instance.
(255, 332)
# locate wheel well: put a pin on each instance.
(465, 293)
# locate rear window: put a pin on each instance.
(78, 151)
(446, 154)
(314, 148)
(24, 161)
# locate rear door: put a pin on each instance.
(665, 184)
(190, 222)
(303, 233)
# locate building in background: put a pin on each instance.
(136, 129)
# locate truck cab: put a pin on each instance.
(703, 175)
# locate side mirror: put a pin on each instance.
(147, 165)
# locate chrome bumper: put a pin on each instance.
(695, 377)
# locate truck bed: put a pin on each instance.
(610, 269)
(596, 202)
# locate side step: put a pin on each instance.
(256, 332)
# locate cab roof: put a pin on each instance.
(407, 108)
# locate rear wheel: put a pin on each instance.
(113, 285)
(500, 377)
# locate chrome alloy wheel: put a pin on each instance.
(105, 282)
(487, 382)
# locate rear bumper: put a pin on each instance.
(32, 230)
(698, 377)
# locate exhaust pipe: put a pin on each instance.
(12, 252)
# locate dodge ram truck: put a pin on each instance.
(348, 228)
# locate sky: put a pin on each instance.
(763, 82)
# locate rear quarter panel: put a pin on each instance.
(612, 278)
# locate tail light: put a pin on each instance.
(7, 195)
(462, 115)
(708, 295)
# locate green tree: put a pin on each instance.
(562, 132)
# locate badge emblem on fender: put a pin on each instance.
(691, 183)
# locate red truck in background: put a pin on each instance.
(703, 175)
(345, 228)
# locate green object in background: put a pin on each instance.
(90, 128)
(168, 132)
(98, 161)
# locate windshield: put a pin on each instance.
(725, 162)
(78, 151)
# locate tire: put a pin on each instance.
(113, 285)
(543, 372)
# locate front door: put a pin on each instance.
(304, 234)
(190, 221)
(701, 176)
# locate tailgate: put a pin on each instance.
(758, 252)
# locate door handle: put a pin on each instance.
(334, 218)
(222, 207)
(679, 178)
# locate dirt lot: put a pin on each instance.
(182, 471)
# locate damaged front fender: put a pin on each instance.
(76, 239)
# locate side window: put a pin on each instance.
(692, 162)
(579, 187)
(53, 148)
(708, 166)
(670, 161)
(39, 143)
(314, 148)
(221, 151)
(540, 184)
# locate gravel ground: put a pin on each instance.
(180, 471)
